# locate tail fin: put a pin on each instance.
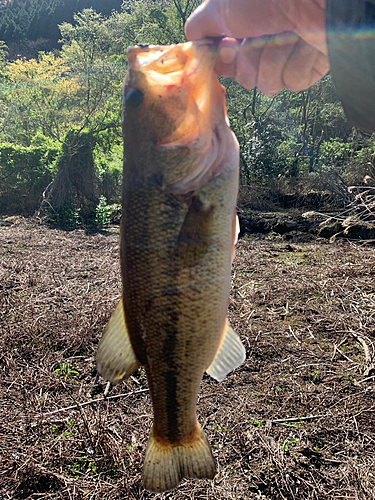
(166, 464)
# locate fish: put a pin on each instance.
(177, 237)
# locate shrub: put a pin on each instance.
(105, 214)
(24, 174)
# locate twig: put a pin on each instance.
(291, 331)
(107, 389)
(44, 197)
(344, 355)
(366, 350)
(297, 419)
(366, 379)
(364, 345)
(81, 405)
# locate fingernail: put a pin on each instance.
(227, 55)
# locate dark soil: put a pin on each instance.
(297, 226)
(295, 421)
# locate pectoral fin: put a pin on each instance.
(115, 358)
(235, 232)
(230, 355)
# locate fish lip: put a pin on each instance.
(212, 41)
(134, 51)
(201, 134)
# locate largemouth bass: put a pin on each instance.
(180, 183)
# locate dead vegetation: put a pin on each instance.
(296, 421)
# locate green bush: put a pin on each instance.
(25, 172)
(65, 216)
(108, 170)
(105, 214)
(102, 213)
(334, 152)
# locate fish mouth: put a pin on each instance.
(168, 58)
(178, 77)
(173, 94)
(158, 68)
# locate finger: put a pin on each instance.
(228, 48)
(247, 63)
(226, 63)
(272, 61)
(239, 19)
(309, 20)
(206, 21)
(321, 67)
(305, 66)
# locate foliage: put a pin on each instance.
(288, 136)
(86, 48)
(24, 174)
(334, 152)
(65, 371)
(108, 170)
(37, 20)
(73, 99)
(42, 96)
(360, 164)
(65, 216)
(78, 89)
(146, 21)
(292, 142)
(105, 213)
(33, 19)
(102, 213)
(3, 53)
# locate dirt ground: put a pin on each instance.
(295, 421)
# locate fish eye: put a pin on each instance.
(134, 98)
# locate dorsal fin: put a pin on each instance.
(230, 355)
(115, 358)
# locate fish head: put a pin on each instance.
(174, 119)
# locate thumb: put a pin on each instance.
(206, 21)
(244, 18)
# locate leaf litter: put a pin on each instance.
(295, 421)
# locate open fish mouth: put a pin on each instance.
(171, 58)
(172, 95)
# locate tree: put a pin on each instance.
(74, 99)
(3, 54)
(42, 95)
(185, 8)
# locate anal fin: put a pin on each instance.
(166, 464)
(230, 355)
(115, 358)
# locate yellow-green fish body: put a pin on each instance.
(177, 238)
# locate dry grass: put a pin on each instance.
(296, 421)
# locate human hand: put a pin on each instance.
(270, 44)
